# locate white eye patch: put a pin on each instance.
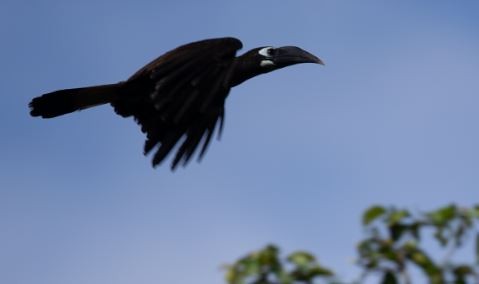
(266, 52)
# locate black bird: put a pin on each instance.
(179, 96)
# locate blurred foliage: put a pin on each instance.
(393, 247)
(266, 266)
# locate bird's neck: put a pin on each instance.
(244, 68)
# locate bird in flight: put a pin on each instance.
(179, 97)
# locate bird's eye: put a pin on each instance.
(266, 52)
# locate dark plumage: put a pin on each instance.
(179, 96)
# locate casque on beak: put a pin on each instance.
(290, 55)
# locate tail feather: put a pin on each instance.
(69, 100)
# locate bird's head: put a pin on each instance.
(273, 58)
(265, 59)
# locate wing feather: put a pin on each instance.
(184, 98)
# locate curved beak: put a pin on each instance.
(289, 55)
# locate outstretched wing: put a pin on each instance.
(180, 96)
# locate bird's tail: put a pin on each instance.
(69, 100)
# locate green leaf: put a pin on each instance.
(268, 257)
(308, 275)
(372, 214)
(301, 258)
(321, 271)
(419, 258)
(463, 270)
(426, 264)
(231, 276)
(397, 216)
(248, 266)
(443, 215)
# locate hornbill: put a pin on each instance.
(180, 96)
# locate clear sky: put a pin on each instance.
(392, 119)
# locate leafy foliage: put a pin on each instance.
(265, 266)
(392, 247)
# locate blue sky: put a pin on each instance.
(391, 119)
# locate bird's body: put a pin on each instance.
(179, 96)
